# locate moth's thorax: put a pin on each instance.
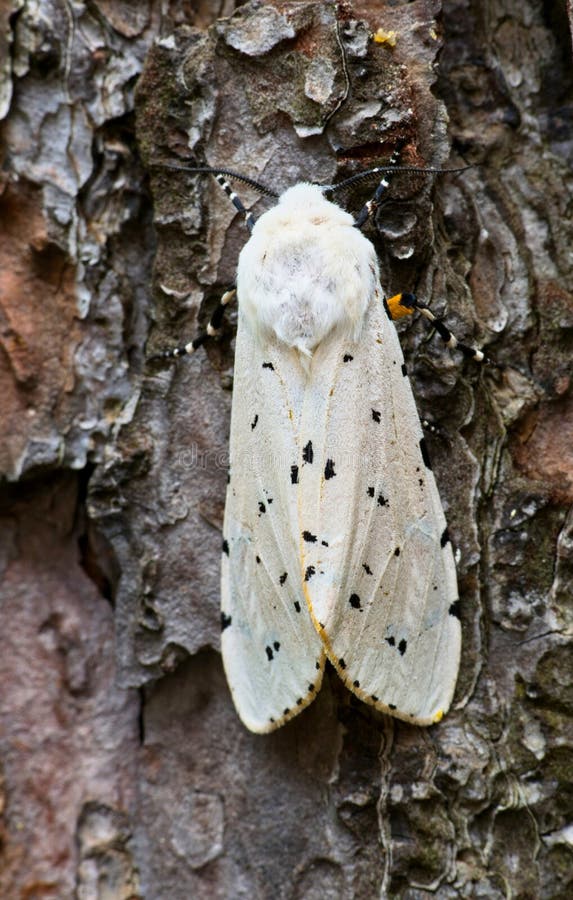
(305, 271)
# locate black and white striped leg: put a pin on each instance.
(236, 201)
(372, 205)
(409, 303)
(213, 330)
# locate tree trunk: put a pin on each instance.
(126, 771)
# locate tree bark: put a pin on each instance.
(126, 772)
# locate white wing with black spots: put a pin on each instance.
(382, 588)
(273, 656)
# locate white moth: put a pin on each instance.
(335, 541)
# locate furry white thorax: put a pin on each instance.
(305, 271)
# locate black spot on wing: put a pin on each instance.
(367, 569)
(283, 578)
(356, 684)
(392, 706)
(401, 647)
(286, 711)
(254, 423)
(308, 453)
(258, 559)
(376, 415)
(397, 551)
(324, 543)
(297, 606)
(310, 571)
(329, 469)
(341, 663)
(370, 491)
(425, 454)
(445, 538)
(262, 508)
(269, 650)
(354, 601)
(382, 500)
(347, 358)
(374, 697)
(404, 370)
(311, 687)
(455, 609)
(308, 537)
(299, 701)
(225, 547)
(294, 474)
(268, 365)
(225, 621)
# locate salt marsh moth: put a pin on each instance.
(335, 541)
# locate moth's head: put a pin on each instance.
(303, 193)
(305, 200)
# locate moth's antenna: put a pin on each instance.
(229, 173)
(220, 176)
(370, 173)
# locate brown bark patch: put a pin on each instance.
(543, 447)
(38, 324)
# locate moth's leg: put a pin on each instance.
(236, 200)
(405, 304)
(372, 205)
(213, 330)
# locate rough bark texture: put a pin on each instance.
(114, 473)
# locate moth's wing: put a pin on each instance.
(382, 584)
(273, 656)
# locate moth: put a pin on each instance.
(335, 544)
